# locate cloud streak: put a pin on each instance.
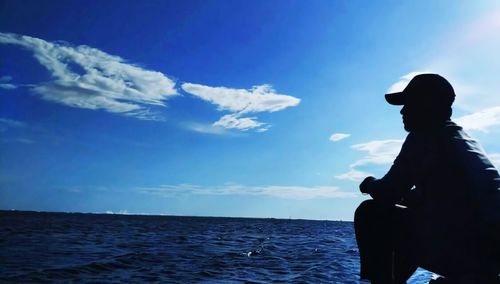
(482, 120)
(353, 175)
(377, 152)
(4, 83)
(286, 192)
(403, 81)
(88, 78)
(7, 86)
(241, 102)
(339, 136)
(6, 123)
(85, 77)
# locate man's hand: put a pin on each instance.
(364, 187)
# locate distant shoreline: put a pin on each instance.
(2, 211)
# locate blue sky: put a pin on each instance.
(225, 108)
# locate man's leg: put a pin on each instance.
(381, 235)
(457, 246)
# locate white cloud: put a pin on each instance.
(288, 192)
(233, 121)
(380, 152)
(353, 175)
(7, 123)
(11, 122)
(86, 77)
(205, 128)
(7, 86)
(403, 82)
(258, 99)
(4, 83)
(120, 212)
(339, 136)
(481, 120)
(242, 101)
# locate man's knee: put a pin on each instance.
(365, 209)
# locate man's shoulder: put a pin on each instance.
(434, 139)
(447, 130)
(451, 127)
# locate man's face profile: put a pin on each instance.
(410, 117)
(421, 116)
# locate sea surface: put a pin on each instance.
(101, 248)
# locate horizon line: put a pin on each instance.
(164, 215)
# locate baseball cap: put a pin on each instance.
(424, 89)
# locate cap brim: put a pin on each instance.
(396, 99)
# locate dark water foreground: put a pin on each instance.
(62, 247)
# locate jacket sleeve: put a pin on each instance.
(399, 179)
(482, 177)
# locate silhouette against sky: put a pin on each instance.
(232, 108)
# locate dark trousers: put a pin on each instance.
(384, 237)
(390, 247)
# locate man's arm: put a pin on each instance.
(398, 180)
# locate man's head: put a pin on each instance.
(426, 101)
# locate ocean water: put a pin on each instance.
(70, 247)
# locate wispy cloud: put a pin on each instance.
(353, 175)
(7, 86)
(85, 77)
(339, 136)
(378, 152)
(234, 121)
(88, 78)
(258, 99)
(205, 128)
(241, 102)
(6, 123)
(403, 81)
(120, 212)
(4, 83)
(287, 192)
(482, 120)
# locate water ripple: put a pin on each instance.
(50, 247)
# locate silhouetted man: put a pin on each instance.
(438, 207)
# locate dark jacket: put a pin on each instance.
(452, 191)
(442, 167)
